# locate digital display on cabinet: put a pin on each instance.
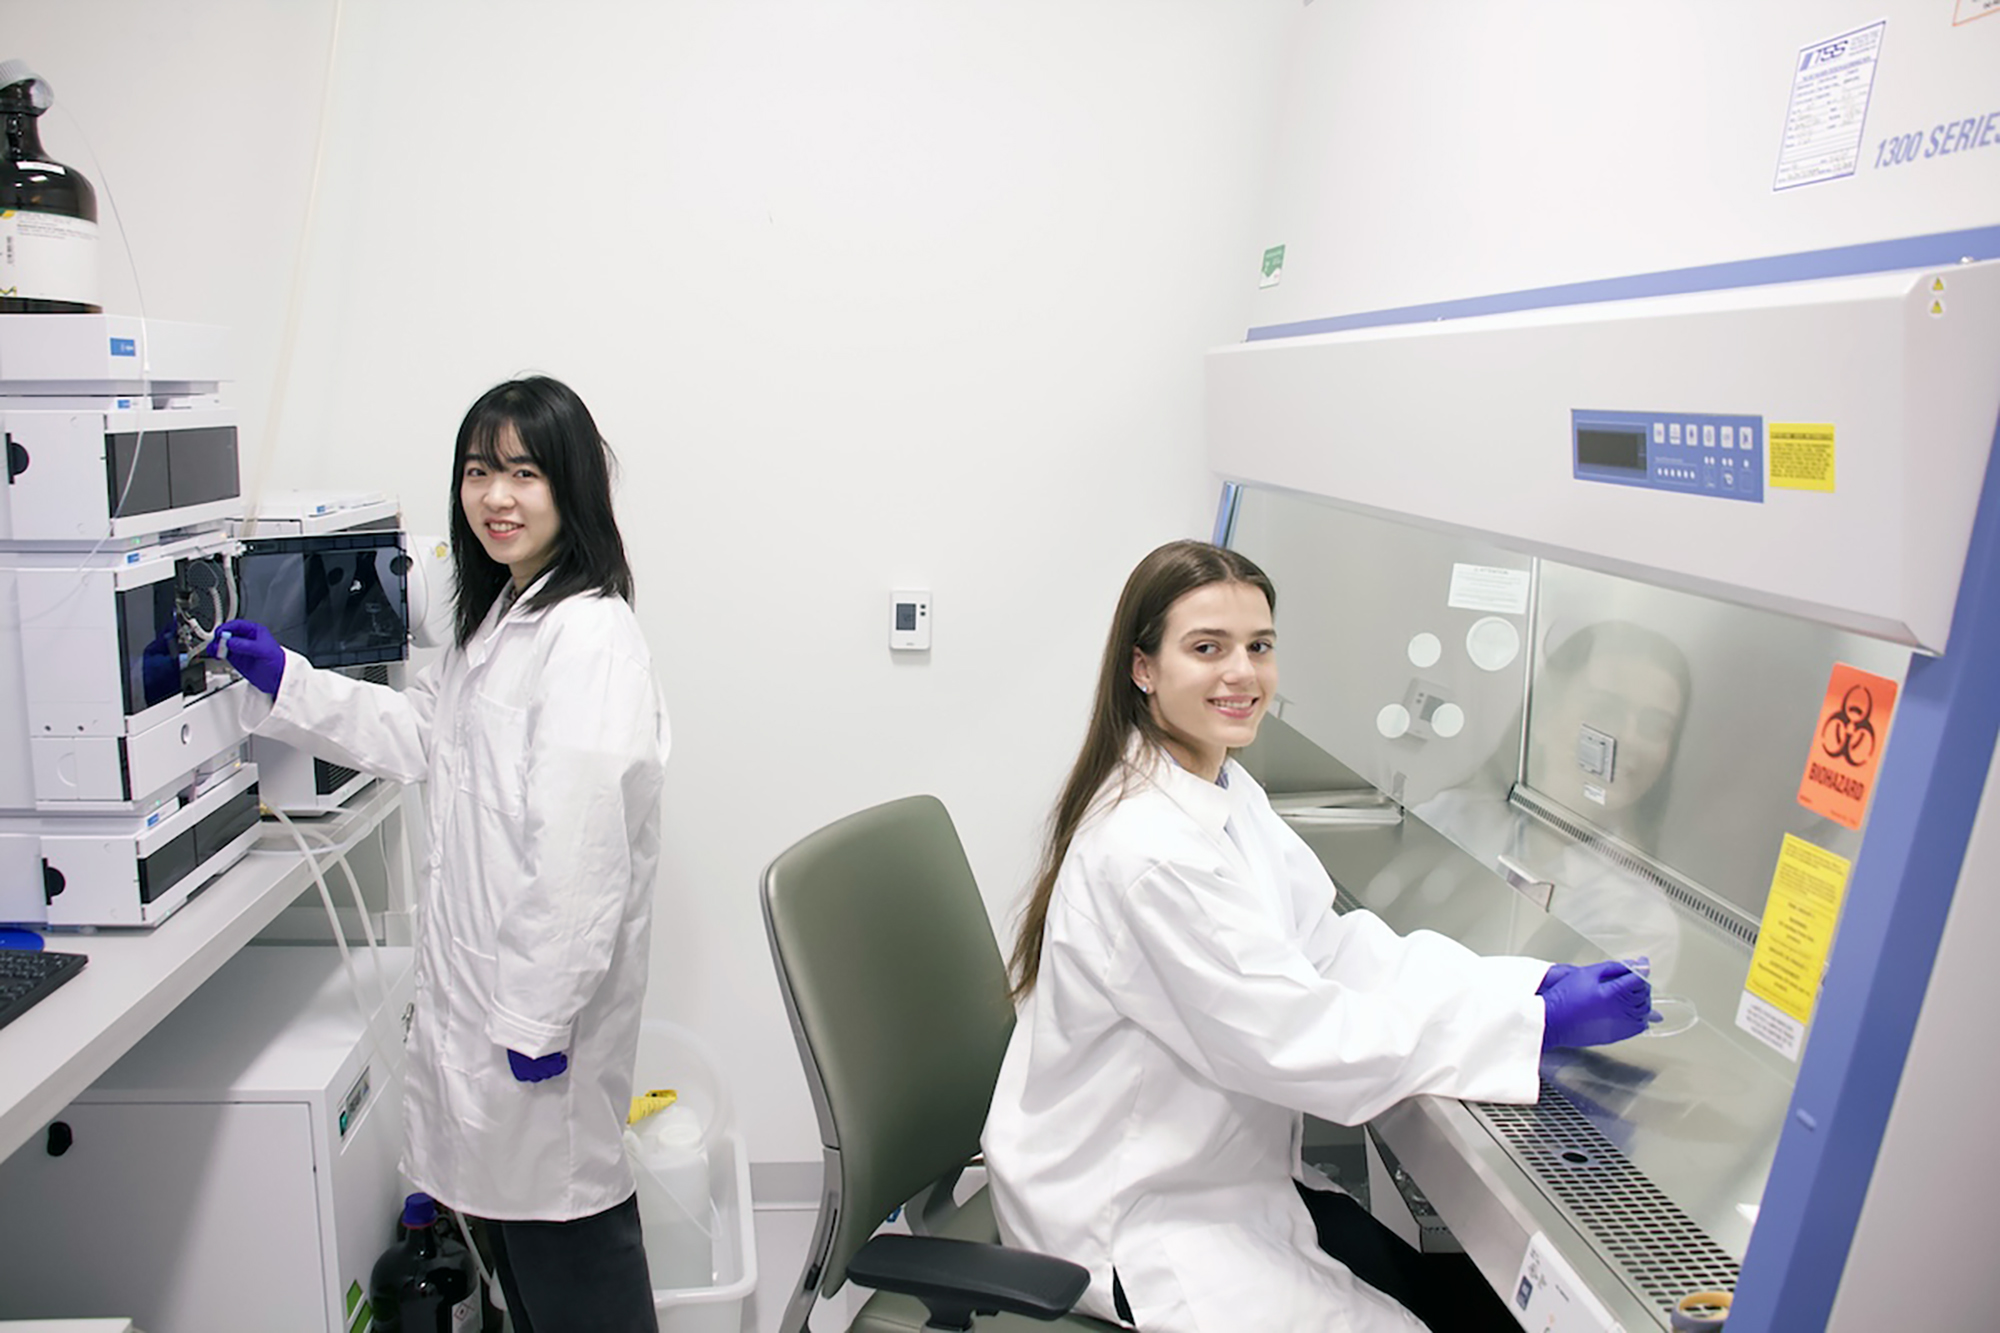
(1624, 449)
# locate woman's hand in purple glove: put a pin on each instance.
(253, 650)
(533, 1069)
(1594, 1005)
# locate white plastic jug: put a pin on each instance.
(669, 1157)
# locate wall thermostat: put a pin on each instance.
(910, 619)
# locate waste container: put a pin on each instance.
(672, 1057)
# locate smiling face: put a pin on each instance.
(508, 504)
(1214, 675)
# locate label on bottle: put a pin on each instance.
(466, 1313)
(47, 257)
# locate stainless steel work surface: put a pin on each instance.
(1692, 1110)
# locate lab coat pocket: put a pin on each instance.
(467, 995)
(494, 770)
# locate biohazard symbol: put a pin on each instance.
(1848, 734)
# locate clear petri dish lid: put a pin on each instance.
(1671, 1016)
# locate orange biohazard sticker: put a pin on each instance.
(1847, 745)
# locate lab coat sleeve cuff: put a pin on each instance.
(254, 710)
(530, 1038)
(262, 714)
(1529, 971)
(1515, 1076)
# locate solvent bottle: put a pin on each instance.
(48, 212)
(669, 1160)
(422, 1284)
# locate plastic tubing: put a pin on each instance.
(103, 179)
(289, 335)
(339, 939)
(288, 338)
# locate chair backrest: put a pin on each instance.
(899, 1000)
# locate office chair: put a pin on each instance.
(899, 1001)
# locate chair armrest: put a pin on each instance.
(957, 1279)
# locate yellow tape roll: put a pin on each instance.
(1701, 1310)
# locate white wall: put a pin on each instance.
(866, 294)
(1437, 152)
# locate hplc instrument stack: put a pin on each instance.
(123, 787)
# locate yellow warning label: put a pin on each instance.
(1937, 284)
(1801, 455)
(1797, 930)
(1937, 308)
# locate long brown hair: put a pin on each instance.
(1120, 709)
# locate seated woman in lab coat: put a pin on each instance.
(1187, 992)
(543, 738)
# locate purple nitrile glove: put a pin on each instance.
(1556, 972)
(536, 1068)
(253, 650)
(1594, 1005)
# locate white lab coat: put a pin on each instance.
(1196, 994)
(544, 742)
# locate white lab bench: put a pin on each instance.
(135, 978)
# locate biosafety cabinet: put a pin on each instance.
(1662, 630)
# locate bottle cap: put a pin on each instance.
(17, 71)
(419, 1210)
(676, 1127)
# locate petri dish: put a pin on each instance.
(1672, 1015)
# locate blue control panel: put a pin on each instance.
(1700, 453)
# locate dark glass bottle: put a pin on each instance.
(448, 1234)
(421, 1285)
(48, 212)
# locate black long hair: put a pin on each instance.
(556, 430)
(1165, 576)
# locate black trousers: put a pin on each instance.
(584, 1276)
(1444, 1290)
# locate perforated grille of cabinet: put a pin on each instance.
(1662, 1252)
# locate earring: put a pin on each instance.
(1145, 689)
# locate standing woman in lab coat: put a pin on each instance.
(1186, 992)
(543, 738)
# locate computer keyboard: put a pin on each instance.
(27, 976)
